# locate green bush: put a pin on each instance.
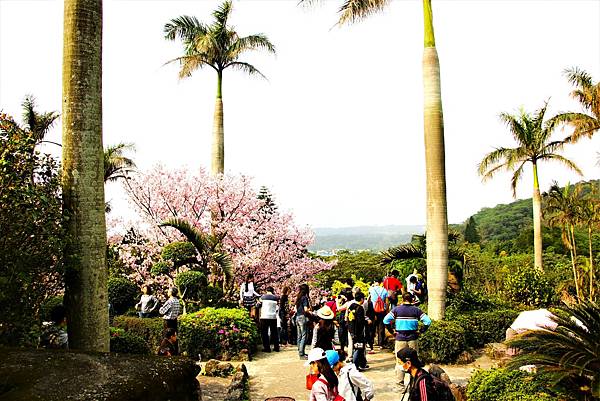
(442, 342)
(468, 301)
(127, 343)
(529, 286)
(217, 333)
(159, 268)
(47, 307)
(122, 294)
(149, 329)
(484, 327)
(179, 253)
(212, 296)
(192, 284)
(505, 385)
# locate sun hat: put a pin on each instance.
(332, 357)
(325, 313)
(409, 354)
(314, 355)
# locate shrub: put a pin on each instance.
(121, 294)
(159, 268)
(212, 296)
(527, 285)
(47, 307)
(337, 287)
(468, 300)
(179, 253)
(219, 333)
(150, 330)
(192, 284)
(505, 385)
(442, 342)
(485, 327)
(127, 343)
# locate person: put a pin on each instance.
(169, 345)
(325, 329)
(356, 328)
(284, 311)
(148, 303)
(325, 388)
(352, 384)
(54, 334)
(421, 289)
(171, 309)
(268, 320)
(393, 286)
(421, 383)
(378, 299)
(406, 319)
(302, 308)
(342, 305)
(414, 291)
(248, 295)
(411, 282)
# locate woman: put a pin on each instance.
(148, 302)
(284, 311)
(248, 296)
(325, 329)
(302, 307)
(325, 388)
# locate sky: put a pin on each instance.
(336, 132)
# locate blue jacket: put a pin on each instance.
(406, 321)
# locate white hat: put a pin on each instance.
(325, 313)
(315, 354)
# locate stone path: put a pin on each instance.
(283, 374)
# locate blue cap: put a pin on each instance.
(332, 357)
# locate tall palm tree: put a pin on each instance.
(219, 47)
(590, 217)
(587, 93)
(437, 211)
(571, 352)
(86, 293)
(563, 206)
(532, 134)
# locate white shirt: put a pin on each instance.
(359, 381)
(249, 292)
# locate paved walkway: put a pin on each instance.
(284, 374)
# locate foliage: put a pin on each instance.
(337, 287)
(179, 253)
(571, 352)
(30, 245)
(442, 342)
(160, 268)
(149, 329)
(468, 300)
(192, 284)
(503, 385)
(363, 264)
(484, 327)
(212, 296)
(127, 343)
(47, 307)
(217, 333)
(471, 233)
(122, 294)
(529, 286)
(116, 164)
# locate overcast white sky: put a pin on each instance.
(336, 132)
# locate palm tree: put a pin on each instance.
(219, 47)
(211, 255)
(37, 124)
(564, 207)
(590, 217)
(86, 292)
(587, 93)
(571, 351)
(437, 211)
(532, 135)
(116, 164)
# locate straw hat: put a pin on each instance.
(325, 313)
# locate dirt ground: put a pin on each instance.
(283, 374)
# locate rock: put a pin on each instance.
(243, 355)
(239, 387)
(465, 357)
(496, 350)
(459, 392)
(54, 375)
(216, 368)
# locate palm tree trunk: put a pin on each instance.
(537, 221)
(86, 293)
(437, 219)
(591, 263)
(218, 145)
(574, 259)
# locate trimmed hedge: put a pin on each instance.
(127, 343)
(510, 385)
(442, 342)
(122, 294)
(217, 333)
(192, 284)
(484, 327)
(148, 329)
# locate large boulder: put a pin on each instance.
(49, 375)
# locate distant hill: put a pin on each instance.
(375, 238)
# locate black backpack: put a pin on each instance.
(440, 388)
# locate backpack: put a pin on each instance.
(357, 395)
(379, 305)
(440, 388)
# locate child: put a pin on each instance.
(353, 385)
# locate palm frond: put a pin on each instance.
(401, 252)
(354, 10)
(221, 14)
(245, 67)
(116, 164)
(37, 124)
(200, 240)
(225, 263)
(578, 77)
(568, 163)
(251, 42)
(185, 28)
(491, 163)
(515, 179)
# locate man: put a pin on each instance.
(355, 316)
(378, 297)
(54, 334)
(169, 345)
(352, 385)
(171, 310)
(393, 286)
(421, 385)
(406, 319)
(268, 320)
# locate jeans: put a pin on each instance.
(301, 323)
(358, 357)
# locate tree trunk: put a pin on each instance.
(591, 263)
(574, 260)
(86, 294)
(437, 220)
(537, 221)
(218, 145)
